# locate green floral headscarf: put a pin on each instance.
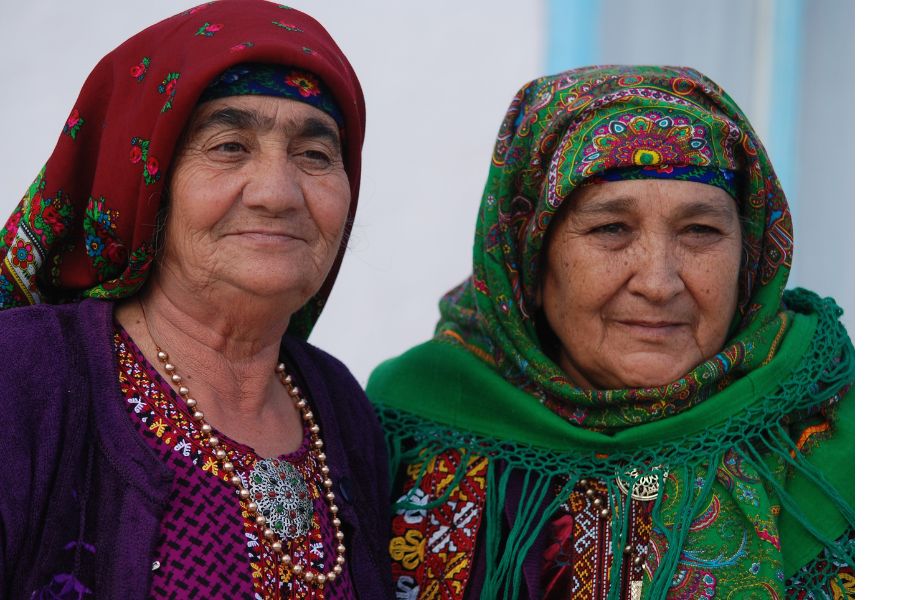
(562, 131)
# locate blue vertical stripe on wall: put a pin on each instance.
(573, 33)
(787, 78)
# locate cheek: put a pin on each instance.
(716, 292)
(330, 207)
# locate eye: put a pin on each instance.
(699, 229)
(316, 156)
(230, 148)
(314, 160)
(611, 229)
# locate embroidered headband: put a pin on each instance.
(279, 81)
(725, 179)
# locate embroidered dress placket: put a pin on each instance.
(205, 521)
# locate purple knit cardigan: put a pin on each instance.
(81, 494)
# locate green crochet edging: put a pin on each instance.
(813, 367)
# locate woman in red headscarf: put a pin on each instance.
(167, 432)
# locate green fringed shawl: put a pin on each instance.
(439, 397)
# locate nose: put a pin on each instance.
(656, 275)
(274, 184)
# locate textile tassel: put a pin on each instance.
(795, 459)
(689, 507)
(516, 548)
(495, 499)
(754, 458)
(535, 530)
(619, 509)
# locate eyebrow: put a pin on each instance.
(239, 118)
(625, 204)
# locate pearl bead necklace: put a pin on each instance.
(310, 577)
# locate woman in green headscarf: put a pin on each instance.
(622, 401)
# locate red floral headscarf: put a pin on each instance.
(86, 226)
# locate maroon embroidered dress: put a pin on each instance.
(208, 544)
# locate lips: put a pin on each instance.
(652, 331)
(267, 233)
(652, 324)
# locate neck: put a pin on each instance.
(227, 361)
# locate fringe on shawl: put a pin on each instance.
(757, 437)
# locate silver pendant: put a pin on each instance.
(641, 487)
(283, 497)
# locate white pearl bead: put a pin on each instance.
(191, 402)
(176, 378)
(162, 356)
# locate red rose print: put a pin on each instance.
(51, 218)
(136, 154)
(214, 27)
(170, 87)
(115, 252)
(138, 70)
(72, 121)
(152, 165)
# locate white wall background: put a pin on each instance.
(438, 78)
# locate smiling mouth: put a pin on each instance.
(273, 236)
(652, 330)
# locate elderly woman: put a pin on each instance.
(166, 430)
(621, 401)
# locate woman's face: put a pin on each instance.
(259, 198)
(640, 280)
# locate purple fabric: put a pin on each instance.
(205, 546)
(82, 493)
